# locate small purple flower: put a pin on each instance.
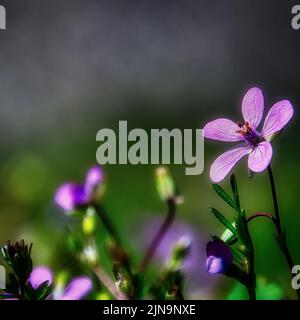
(255, 144)
(70, 196)
(39, 275)
(219, 257)
(77, 289)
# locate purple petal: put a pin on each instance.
(219, 257)
(218, 248)
(93, 179)
(40, 275)
(223, 130)
(225, 162)
(214, 265)
(253, 107)
(260, 157)
(278, 116)
(70, 195)
(77, 289)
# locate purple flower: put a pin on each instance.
(70, 196)
(219, 257)
(77, 288)
(255, 144)
(39, 275)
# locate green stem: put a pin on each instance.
(281, 238)
(108, 224)
(252, 276)
(117, 251)
(160, 234)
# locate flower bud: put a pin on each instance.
(164, 183)
(90, 255)
(89, 222)
(180, 252)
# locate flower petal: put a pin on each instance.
(214, 265)
(260, 157)
(40, 275)
(223, 130)
(219, 257)
(225, 162)
(278, 116)
(77, 289)
(253, 107)
(69, 195)
(93, 179)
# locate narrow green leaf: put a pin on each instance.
(224, 221)
(236, 255)
(235, 191)
(224, 195)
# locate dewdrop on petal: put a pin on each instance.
(89, 222)
(164, 183)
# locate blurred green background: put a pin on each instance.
(70, 68)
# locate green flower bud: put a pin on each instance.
(164, 183)
(89, 222)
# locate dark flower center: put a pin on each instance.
(250, 135)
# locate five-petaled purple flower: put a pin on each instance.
(255, 144)
(77, 289)
(219, 257)
(70, 196)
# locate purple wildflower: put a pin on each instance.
(70, 196)
(39, 275)
(219, 257)
(77, 289)
(255, 144)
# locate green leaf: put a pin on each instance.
(236, 255)
(235, 191)
(224, 195)
(228, 237)
(224, 221)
